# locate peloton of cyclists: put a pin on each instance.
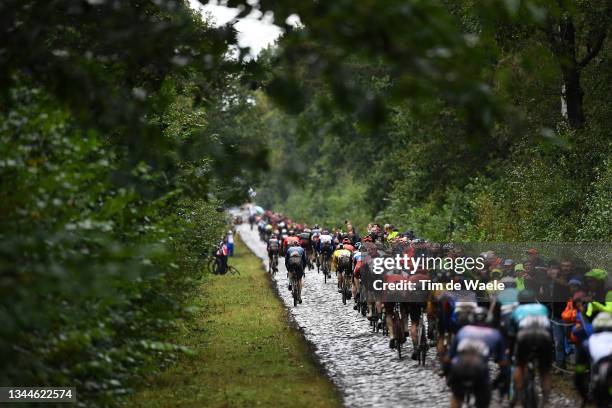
(513, 325)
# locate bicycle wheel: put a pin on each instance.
(232, 269)
(531, 396)
(399, 335)
(383, 324)
(421, 347)
(294, 292)
(211, 266)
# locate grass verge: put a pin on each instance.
(247, 353)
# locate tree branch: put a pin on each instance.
(593, 50)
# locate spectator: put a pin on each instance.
(555, 293)
(567, 269)
(533, 257)
(221, 255)
(519, 271)
(508, 267)
(600, 296)
(230, 243)
(576, 292)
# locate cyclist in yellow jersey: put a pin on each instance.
(341, 259)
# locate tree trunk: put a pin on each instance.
(572, 96)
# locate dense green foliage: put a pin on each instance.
(531, 174)
(113, 163)
(124, 125)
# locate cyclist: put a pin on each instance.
(268, 231)
(289, 240)
(466, 363)
(326, 246)
(306, 242)
(273, 248)
(529, 331)
(346, 242)
(295, 262)
(417, 303)
(390, 298)
(356, 284)
(342, 260)
(315, 235)
(596, 353)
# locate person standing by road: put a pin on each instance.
(230, 243)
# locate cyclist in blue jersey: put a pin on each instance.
(467, 361)
(529, 332)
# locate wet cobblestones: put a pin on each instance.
(359, 362)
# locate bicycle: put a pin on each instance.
(346, 287)
(469, 398)
(530, 395)
(326, 267)
(382, 325)
(212, 266)
(363, 300)
(273, 264)
(398, 328)
(422, 345)
(296, 290)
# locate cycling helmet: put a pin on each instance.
(346, 241)
(526, 296)
(497, 274)
(603, 322)
(340, 246)
(508, 282)
(316, 226)
(295, 244)
(480, 316)
(367, 238)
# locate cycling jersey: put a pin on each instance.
(273, 244)
(485, 341)
(290, 240)
(532, 315)
(358, 260)
(295, 256)
(599, 346)
(305, 239)
(341, 259)
(349, 247)
(326, 242)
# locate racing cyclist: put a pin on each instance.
(467, 360)
(529, 331)
(295, 251)
(342, 260)
(596, 353)
(273, 248)
(326, 247)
